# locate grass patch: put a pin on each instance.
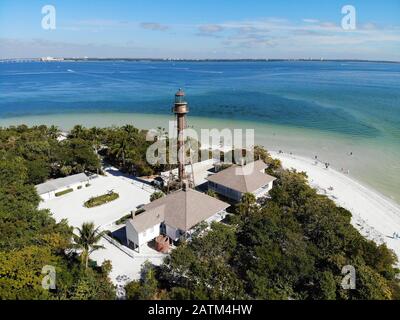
(98, 201)
(61, 193)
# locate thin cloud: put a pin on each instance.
(210, 28)
(310, 20)
(329, 25)
(304, 36)
(101, 23)
(154, 26)
(95, 25)
(369, 26)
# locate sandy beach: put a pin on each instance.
(374, 215)
(374, 162)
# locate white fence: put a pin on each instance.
(118, 245)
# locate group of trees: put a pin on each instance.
(124, 147)
(48, 156)
(30, 239)
(44, 155)
(291, 246)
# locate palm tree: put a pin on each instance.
(95, 134)
(120, 148)
(247, 204)
(87, 240)
(53, 132)
(130, 130)
(77, 131)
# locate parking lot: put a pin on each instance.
(132, 193)
(70, 206)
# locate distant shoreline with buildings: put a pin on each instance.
(71, 59)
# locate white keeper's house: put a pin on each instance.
(174, 215)
(49, 189)
(237, 180)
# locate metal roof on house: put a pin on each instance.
(247, 178)
(182, 210)
(56, 184)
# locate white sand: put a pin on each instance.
(375, 216)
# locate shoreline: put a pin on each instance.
(374, 161)
(374, 215)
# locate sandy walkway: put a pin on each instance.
(375, 216)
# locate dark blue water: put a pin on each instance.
(359, 99)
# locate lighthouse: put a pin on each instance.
(180, 109)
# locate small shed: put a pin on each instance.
(49, 189)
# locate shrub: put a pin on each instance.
(156, 195)
(98, 201)
(212, 193)
(61, 193)
(123, 219)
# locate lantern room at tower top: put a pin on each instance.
(180, 106)
(180, 96)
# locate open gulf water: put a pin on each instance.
(347, 113)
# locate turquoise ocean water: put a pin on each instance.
(322, 108)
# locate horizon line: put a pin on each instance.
(60, 59)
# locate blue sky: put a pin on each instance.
(201, 29)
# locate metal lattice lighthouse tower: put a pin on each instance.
(181, 109)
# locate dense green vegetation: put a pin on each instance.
(100, 200)
(123, 147)
(30, 238)
(43, 156)
(292, 246)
